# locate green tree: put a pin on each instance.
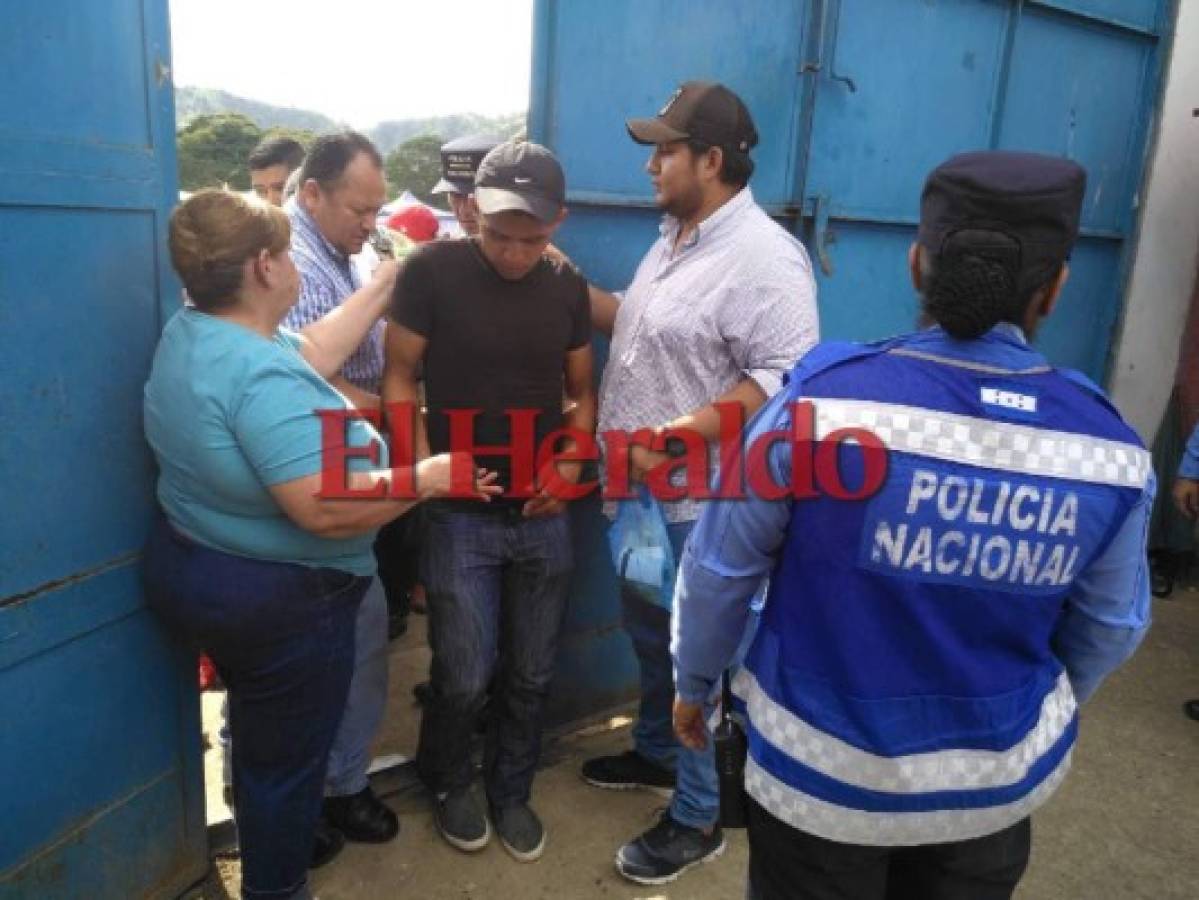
(415, 166)
(212, 151)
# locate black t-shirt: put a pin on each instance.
(494, 345)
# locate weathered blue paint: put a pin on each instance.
(855, 101)
(99, 752)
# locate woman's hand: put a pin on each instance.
(435, 478)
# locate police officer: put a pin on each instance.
(460, 160)
(911, 695)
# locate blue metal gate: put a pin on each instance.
(855, 101)
(100, 784)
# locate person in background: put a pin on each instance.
(935, 620)
(460, 160)
(247, 560)
(333, 213)
(1186, 500)
(721, 306)
(271, 164)
(498, 326)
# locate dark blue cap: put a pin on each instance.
(460, 160)
(1035, 200)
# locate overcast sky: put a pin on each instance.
(359, 61)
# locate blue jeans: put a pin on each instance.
(351, 753)
(282, 638)
(697, 792)
(497, 586)
(350, 757)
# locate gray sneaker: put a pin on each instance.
(520, 831)
(461, 821)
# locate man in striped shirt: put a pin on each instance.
(333, 213)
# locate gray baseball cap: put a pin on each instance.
(521, 176)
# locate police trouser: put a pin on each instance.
(788, 864)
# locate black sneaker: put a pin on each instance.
(666, 851)
(461, 821)
(628, 771)
(326, 844)
(520, 831)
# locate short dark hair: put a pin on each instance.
(331, 154)
(735, 168)
(274, 151)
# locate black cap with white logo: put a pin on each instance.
(460, 159)
(521, 176)
(702, 111)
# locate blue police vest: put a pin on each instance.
(901, 688)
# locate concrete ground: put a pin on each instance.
(1125, 825)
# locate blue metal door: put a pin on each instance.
(903, 85)
(100, 782)
(855, 101)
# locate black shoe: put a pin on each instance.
(520, 831)
(666, 851)
(362, 817)
(461, 821)
(326, 844)
(628, 771)
(1191, 708)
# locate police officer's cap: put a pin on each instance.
(1034, 199)
(460, 160)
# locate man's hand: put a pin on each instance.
(385, 273)
(689, 726)
(1186, 497)
(546, 502)
(642, 460)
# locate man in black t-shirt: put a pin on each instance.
(502, 331)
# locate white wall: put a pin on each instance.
(1167, 254)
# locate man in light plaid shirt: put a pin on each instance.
(720, 308)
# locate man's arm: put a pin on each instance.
(732, 549)
(329, 341)
(603, 309)
(1107, 612)
(403, 351)
(705, 421)
(1186, 484)
(580, 395)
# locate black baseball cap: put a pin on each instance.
(521, 176)
(460, 160)
(703, 111)
(1033, 199)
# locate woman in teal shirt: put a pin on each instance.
(249, 561)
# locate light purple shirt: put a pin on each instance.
(737, 300)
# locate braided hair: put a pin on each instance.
(975, 282)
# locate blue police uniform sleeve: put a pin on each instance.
(732, 548)
(1189, 467)
(1108, 611)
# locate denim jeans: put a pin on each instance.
(350, 757)
(697, 792)
(696, 799)
(365, 703)
(497, 586)
(282, 638)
